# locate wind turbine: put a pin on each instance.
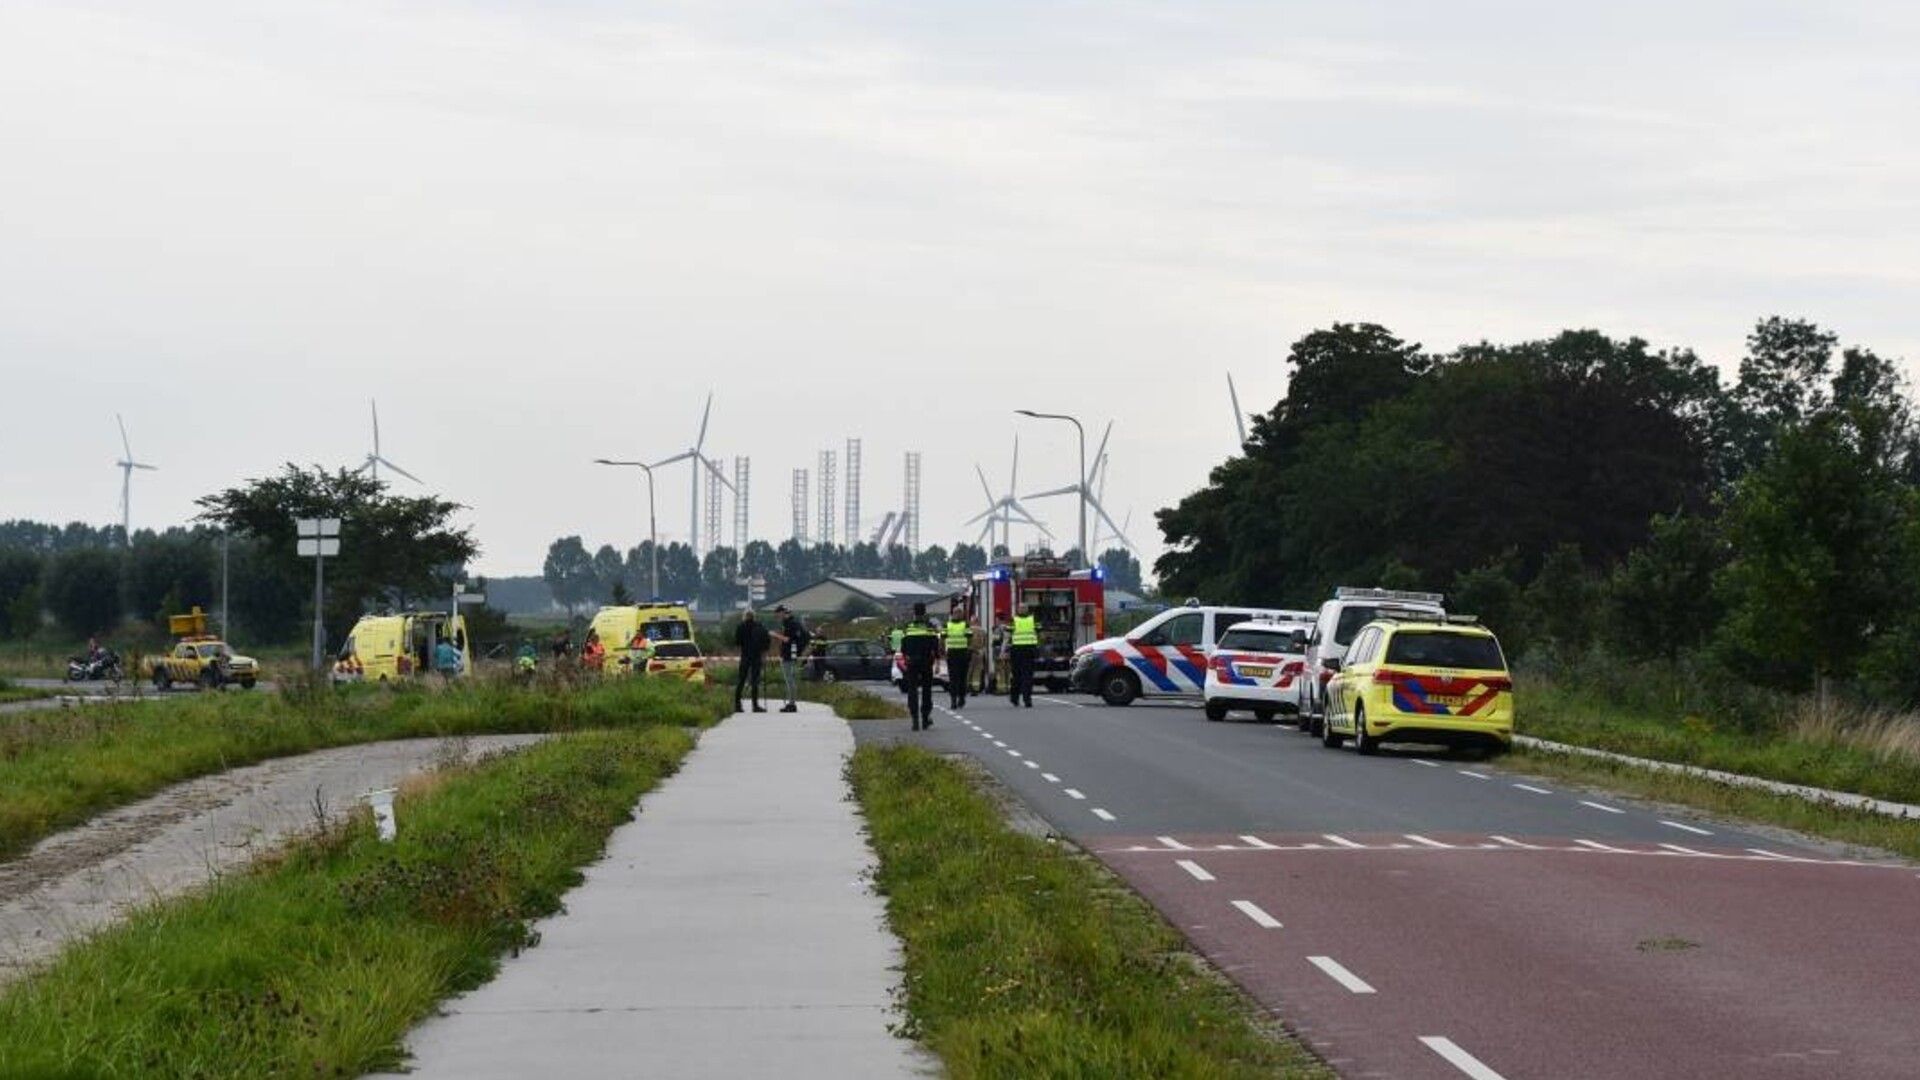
(1085, 488)
(374, 458)
(697, 457)
(1239, 418)
(1006, 509)
(127, 465)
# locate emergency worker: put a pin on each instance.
(918, 646)
(959, 643)
(1022, 646)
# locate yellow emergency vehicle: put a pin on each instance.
(653, 625)
(199, 658)
(380, 648)
(1421, 680)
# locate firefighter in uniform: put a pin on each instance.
(918, 645)
(959, 659)
(1022, 646)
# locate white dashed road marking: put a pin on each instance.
(1102, 814)
(1418, 839)
(1601, 847)
(1686, 828)
(1459, 1058)
(1073, 794)
(1343, 841)
(1252, 911)
(1172, 844)
(1338, 973)
(1256, 842)
(1682, 850)
(1769, 854)
(1424, 761)
(1510, 842)
(1535, 790)
(1049, 778)
(999, 744)
(1032, 764)
(1013, 753)
(1193, 868)
(1602, 806)
(1475, 775)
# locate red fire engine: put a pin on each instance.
(1069, 609)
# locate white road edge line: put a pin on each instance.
(1682, 850)
(1763, 852)
(1510, 842)
(1597, 846)
(1342, 841)
(1254, 841)
(1686, 828)
(1049, 778)
(1102, 814)
(1338, 973)
(1535, 790)
(1074, 794)
(1458, 1058)
(1199, 873)
(1252, 911)
(1602, 806)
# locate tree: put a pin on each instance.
(718, 570)
(83, 591)
(1122, 569)
(864, 561)
(932, 564)
(1490, 593)
(679, 572)
(620, 597)
(19, 585)
(968, 559)
(1561, 602)
(568, 571)
(391, 547)
(610, 574)
(1661, 601)
(898, 563)
(169, 572)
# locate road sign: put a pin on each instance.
(470, 597)
(327, 548)
(317, 527)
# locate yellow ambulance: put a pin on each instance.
(384, 647)
(653, 625)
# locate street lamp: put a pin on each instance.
(653, 531)
(1081, 477)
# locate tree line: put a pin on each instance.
(578, 577)
(1585, 493)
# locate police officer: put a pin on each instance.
(1022, 646)
(918, 644)
(959, 658)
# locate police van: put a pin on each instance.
(1166, 656)
(1340, 619)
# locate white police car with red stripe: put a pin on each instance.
(1258, 667)
(1164, 657)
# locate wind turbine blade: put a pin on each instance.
(681, 456)
(1100, 453)
(124, 444)
(1013, 477)
(1239, 418)
(400, 470)
(1070, 489)
(702, 440)
(982, 474)
(987, 513)
(716, 471)
(149, 468)
(371, 404)
(986, 534)
(1117, 530)
(362, 467)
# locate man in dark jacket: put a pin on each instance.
(918, 646)
(752, 640)
(793, 637)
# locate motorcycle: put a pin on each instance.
(104, 665)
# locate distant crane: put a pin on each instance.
(127, 464)
(698, 460)
(374, 459)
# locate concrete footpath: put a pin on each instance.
(729, 932)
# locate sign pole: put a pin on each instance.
(319, 623)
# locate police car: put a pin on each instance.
(1260, 667)
(1164, 657)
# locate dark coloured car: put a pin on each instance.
(849, 661)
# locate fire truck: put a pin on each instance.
(1069, 609)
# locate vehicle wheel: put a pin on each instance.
(1362, 741)
(1265, 716)
(1216, 710)
(161, 681)
(1303, 721)
(1118, 686)
(829, 676)
(210, 679)
(1330, 738)
(246, 684)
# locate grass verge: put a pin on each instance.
(1818, 755)
(10, 693)
(1825, 820)
(58, 768)
(1025, 960)
(316, 962)
(851, 702)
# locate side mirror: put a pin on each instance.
(1299, 641)
(1330, 664)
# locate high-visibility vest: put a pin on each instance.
(918, 629)
(1024, 631)
(956, 635)
(896, 636)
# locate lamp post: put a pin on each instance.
(1080, 479)
(653, 531)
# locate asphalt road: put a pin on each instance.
(1426, 915)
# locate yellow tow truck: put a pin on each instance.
(199, 658)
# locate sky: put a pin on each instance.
(544, 233)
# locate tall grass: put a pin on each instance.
(1889, 735)
(316, 963)
(57, 768)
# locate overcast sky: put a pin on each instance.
(542, 233)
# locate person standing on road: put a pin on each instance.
(752, 640)
(918, 644)
(793, 649)
(959, 644)
(1021, 647)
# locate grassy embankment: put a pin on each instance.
(1839, 747)
(1025, 960)
(316, 962)
(58, 768)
